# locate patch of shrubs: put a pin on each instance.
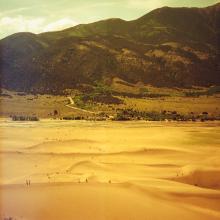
(130, 114)
(141, 95)
(99, 93)
(194, 94)
(24, 118)
(211, 91)
(98, 117)
(5, 95)
(21, 94)
(73, 118)
(101, 98)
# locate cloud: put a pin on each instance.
(60, 24)
(20, 24)
(9, 25)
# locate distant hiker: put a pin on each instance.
(86, 180)
(27, 182)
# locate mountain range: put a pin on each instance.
(171, 47)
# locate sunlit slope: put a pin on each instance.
(166, 47)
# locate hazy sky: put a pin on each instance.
(48, 15)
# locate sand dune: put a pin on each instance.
(91, 170)
(200, 176)
(94, 201)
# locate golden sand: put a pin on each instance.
(109, 170)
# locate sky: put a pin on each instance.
(49, 15)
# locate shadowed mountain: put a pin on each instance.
(166, 47)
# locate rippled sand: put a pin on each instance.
(109, 170)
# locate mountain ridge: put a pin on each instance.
(166, 47)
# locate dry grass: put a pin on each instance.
(182, 105)
(43, 106)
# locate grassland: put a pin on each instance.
(109, 101)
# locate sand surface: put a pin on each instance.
(109, 170)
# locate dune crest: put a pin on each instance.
(107, 171)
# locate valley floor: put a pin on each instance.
(44, 106)
(55, 169)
